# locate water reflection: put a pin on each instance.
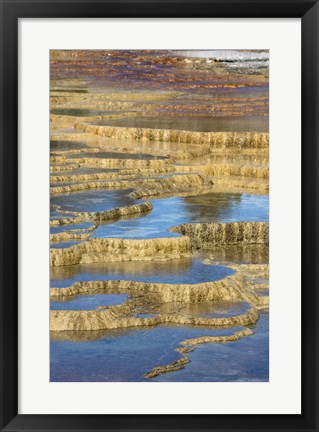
(249, 254)
(169, 212)
(86, 301)
(80, 112)
(58, 145)
(116, 155)
(89, 356)
(215, 309)
(198, 124)
(93, 200)
(183, 270)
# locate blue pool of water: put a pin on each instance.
(86, 302)
(184, 270)
(93, 200)
(64, 244)
(169, 212)
(198, 124)
(71, 227)
(90, 356)
(116, 155)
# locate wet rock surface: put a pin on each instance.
(195, 144)
(207, 235)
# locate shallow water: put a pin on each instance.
(236, 159)
(198, 124)
(183, 270)
(166, 213)
(54, 214)
(169, 212)
(244, 360)
(64, 244)
(184, 95)
(241, 254)
(82, 170)
(116, 155)
(93, 200)
(90, 356)
(216, 309)
(79, 112)
(66, 145)
(61, 228)
(86, 302)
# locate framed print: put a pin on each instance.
(159, 215)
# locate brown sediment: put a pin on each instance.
(100, 216)
(189, 346)
(99, 250)
(206, 235)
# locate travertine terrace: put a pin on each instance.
(150, 166)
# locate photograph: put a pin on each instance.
(159, 215)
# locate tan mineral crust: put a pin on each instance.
(234, 287)
(151, 296)
(116, 213)
(65, 320)
(99, 250)
(58, 237)
(182, 163)
(188, 345)
(215, 139)
(125, 174)
(147, 187)
(205, 235)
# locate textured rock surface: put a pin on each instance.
(125, 174)
(146, 187)
(99, 250)
(64, 320)
(215, 139)
(228, 169)
(150, 296)
(101, 216)
(188, 345)
(169, 186)
(234, 287)
(205, 235)
(178, 163)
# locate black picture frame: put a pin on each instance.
(11, 11)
